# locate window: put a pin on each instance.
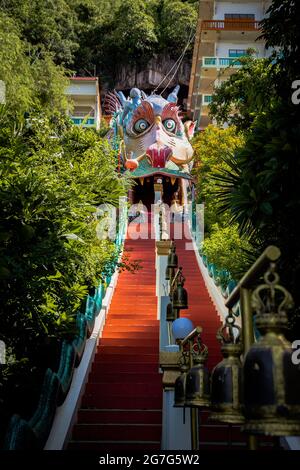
(237, 52)
(206, 99)
(239, 16)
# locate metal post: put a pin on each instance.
(247, 321)
(194, 429)
(193, 411)
(248, 339)
(243, 292)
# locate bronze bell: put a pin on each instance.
(172, 313)
(198, 383)
(172, 258)
(180, 297)
(271, 379)
(226, 379)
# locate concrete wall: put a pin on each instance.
(82, 88)
(222, 48)
(255, 8)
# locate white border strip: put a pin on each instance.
(66, 414)
(214, 292)
(290, 442)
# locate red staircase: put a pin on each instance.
(122, 405)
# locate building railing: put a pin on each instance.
(231, 25)
(220, 62)
(81, 113)
(83, 120)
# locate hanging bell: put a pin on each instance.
(198, 383)
(226, 379)
(172, 313)
(180, 297)
(172, 258)
(271, 378)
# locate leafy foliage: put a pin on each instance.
(52, 178)
(133, 36)
(281, 33)
(178, 22)
(211, 148)
(222, 244)
(93, 35)
(32, 79)
(132, 31)
(246, 93)
(49, 26)
(227, 250)
(259, 188)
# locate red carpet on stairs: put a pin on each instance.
(122, 405)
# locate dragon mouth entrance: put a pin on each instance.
(143, 191)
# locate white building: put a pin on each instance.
(225, 31)
(85, 94)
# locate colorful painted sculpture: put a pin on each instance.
(155, 140)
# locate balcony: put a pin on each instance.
(84, 121)
(220, 62)
(231, 25)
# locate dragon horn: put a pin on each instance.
(172, 98)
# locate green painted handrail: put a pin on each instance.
(19, 435)
(33, 434)
(42, 420)
(80, 338)
(65, 370)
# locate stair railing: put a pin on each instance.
(242, 292)
(267, 375)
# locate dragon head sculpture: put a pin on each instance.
(152, 129)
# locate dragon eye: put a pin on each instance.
(170, 125)
(141, 125)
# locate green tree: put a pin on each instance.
(211, 148)
(53, 176)
(281, 33)
(178, 25)
(15, 70)
(32, 79)
(47, 25)
(261, 190)
(223, 244)
(132, 38)
(227, 249)
(246, 93)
